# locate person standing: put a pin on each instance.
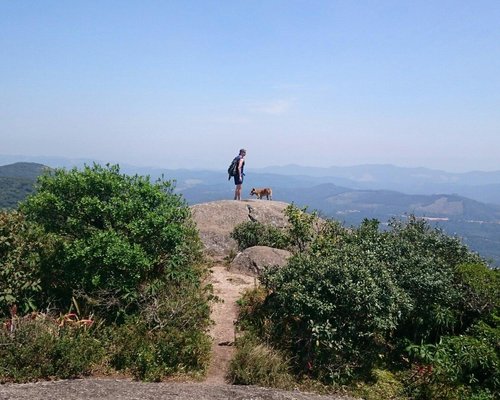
(238, 177)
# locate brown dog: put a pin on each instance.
(268, 192)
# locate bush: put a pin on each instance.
(166, 337)
(251, 313)
(424, 262)
(383, 384)
(333, 314)
(480, 292)
(113, 236)
(251, 233)
(257, 364)
(151, 355)
(40, 348)
(349, 299)
(21, 245)
(302, 229)
(117, 247)
(469, 363)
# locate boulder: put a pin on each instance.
(216, 220)
(251, 261)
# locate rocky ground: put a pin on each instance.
(215, 221)
(119, 389)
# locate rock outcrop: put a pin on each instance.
(216, 220)
(253, 260)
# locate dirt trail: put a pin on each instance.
(228, 286)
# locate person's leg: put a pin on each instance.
(237, 192)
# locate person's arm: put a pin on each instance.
(240, 167)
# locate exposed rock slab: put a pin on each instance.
(216, 220)
(253, 260)
(125, 389)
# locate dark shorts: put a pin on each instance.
(237, 180)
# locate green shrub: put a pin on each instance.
(457, 362)
(152, 355)
(302, 226)
(251, 314)
(40, 348)
(114, 246)
(383, 384)
(257, 364)
(21, 245)
(113, 235)
(349, 298)
(480, 288)
(424, 260)
(251, 233)
(167, 336)
(333, 313)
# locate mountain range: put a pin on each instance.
(478, 185)
(348, 194)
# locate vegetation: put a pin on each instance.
(17, 182)
(42, 347)
(104, 271)
(254, 233)
(117, 251)
(256, 363)
(14, 190)
(408, 307)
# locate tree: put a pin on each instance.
(115, 237)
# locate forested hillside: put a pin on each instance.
(23, 170)
(17, 182)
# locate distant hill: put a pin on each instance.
(478, 185)
(17, 182)
(483, 186)
(23, 170)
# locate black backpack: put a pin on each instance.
(233, 168)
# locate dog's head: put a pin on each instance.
(253, 191)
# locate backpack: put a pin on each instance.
(233, 167)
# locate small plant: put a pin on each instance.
(382, 384)
(229, 257)
(41, 347)
(152, 355)
(302, 229)
(258, 364)
(250, 233)
(250, 310)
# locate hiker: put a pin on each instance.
(238, 176)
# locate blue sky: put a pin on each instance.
(187, 83)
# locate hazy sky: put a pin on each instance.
(187, 83)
